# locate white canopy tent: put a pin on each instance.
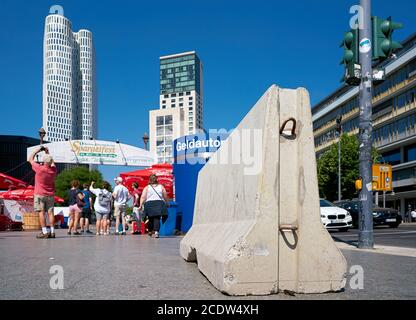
(97, 152)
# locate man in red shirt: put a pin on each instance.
(44, 193)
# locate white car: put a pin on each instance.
(334, 217)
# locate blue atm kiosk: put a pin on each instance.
(191, 152)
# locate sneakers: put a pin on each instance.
(43, 236)
(69, 233)
(123, 233)
(88, 231)
(76, 233)
(156, 234)
(52, 235)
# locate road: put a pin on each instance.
(403, 236)
(140, 267)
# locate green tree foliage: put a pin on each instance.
(82, 174)
(327, 166)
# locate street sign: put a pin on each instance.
(382, 178)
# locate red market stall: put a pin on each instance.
(8, 182)
(18, 208)
(26, 194)
(164, 173)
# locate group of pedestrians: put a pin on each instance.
(150, 206)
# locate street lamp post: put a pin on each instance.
(145, 140)
(42, 134)
(339, 130)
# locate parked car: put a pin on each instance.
(334, 217)
(381, 216)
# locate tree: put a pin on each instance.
(82, 174)
(327, 166)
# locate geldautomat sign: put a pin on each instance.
(196, 148)
(190, 155)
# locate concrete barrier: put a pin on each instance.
(257, 233)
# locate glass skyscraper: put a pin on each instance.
(180, 103)
(180, 74)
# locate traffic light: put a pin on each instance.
(383, 44)
(382, 178)
(350, 60)
(338, 126)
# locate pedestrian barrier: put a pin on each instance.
(259, 232)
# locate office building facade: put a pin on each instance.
(394, 122)
(180, 103)
(69, 83)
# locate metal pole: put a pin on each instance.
(339, 168)
(365, 239)
(376, 199)
(384, 199)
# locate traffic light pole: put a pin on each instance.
(339, 167)
(366, 240)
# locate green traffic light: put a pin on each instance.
(348, 39)
(350, 58)
(383, 44)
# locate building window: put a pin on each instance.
(173, 105)
(181, 105)
(392, 157)
(160, 121)
(168, 119)
(188, 93)
(173, 95)
(410, 153)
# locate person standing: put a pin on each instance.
(44, 192)
(121, 196)
(136, 204)
(74, 209)
(154, 201)
(102, 207)
(87, 210)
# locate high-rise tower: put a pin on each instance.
(181, 103)
(69, 92)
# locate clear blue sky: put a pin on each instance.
(245, 47)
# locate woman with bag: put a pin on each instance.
(154, 200)
(102, 207)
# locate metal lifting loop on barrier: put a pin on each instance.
(282, 128)
(288, 227)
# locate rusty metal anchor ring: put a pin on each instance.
(282, 128)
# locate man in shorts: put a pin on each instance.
(44, 193)
(121, 196)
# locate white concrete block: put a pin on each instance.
(237, 237)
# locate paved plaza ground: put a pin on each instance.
(140, 267)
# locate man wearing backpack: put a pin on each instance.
(121, 196)
(102, 206)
